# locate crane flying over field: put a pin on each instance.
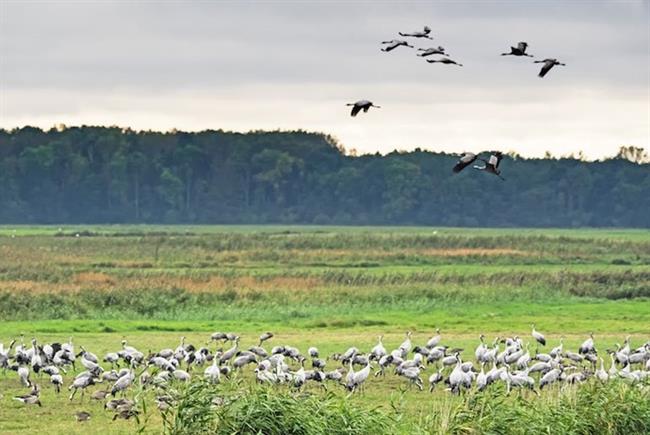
(548, 64)
(444, 60)
(519, 50)
(492, 164)
(423, 34)
(361, 105)
(430, 51)
(393, 44)
(464, 161)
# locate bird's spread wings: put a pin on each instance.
(355, 110)
(463, 162)
(522, 46)
(546, 68)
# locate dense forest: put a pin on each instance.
(115, 175)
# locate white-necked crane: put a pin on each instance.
(519, 50)
(393, 44)
(492, 164)
(444, 60)
(265, 336)
(548, 64)
(423, 34)
(464, 161)
(538, 336)
(361, 105)
(430, 51)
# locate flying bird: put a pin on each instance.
(444, 60)
(464, 161)
(361, 104)
(430, 51)
(393, 44)
(492, 164)
(423, 34)
(519, 50)
(548, 64)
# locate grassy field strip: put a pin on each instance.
(332, 287)
(613, 233)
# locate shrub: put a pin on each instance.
(269, 411)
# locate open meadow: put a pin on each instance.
(333, 288)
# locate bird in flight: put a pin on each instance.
(492, 164)
(464, 161)
(519, 50)
(423, 34)
(548, 64)
(393, 44)
(430, 51)
(444, 60)
(361, 105)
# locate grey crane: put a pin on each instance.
(379, 350)
(57, 381)
(480, 349)
(357, 379)
(181, 375)
(227, 355)
(548, 64)
(393, 44)
(538, 336)
(481, 379)
(413, 375)
(458, 377)
(491, 166)
(213, 372)
(435, 378)
(519, 50)
(464, 161)
(123, 382)
(420, 34)
(361, 105)
(601, 374)
(406, 345)
(81, 383)
(23, 374)
(30, 399)
(433, 341)
(556, 351)
(430, 51)
(82, 416)
(444, 60)
(588, 345)
(265, 336)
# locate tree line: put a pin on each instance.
(114, 175)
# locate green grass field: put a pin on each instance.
(332, 287)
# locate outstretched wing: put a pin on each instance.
(522, 46)
(466, 160)
(546, 68)
(355, 110)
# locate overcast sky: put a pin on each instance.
(288, 64)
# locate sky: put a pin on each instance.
(243, 66)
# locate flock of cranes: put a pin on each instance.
(510, 361)
(519, 50)
(492, 164)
